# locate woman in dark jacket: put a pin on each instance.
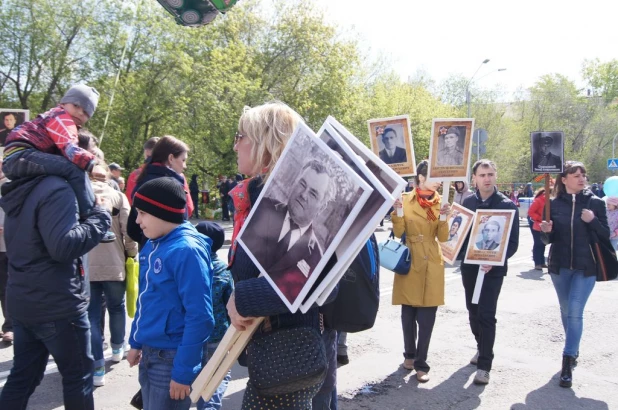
(575, 211)
(169, 159)
(263, 132)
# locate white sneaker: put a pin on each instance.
(475, 359)
(117, 355)
(98, 379)
(481, 377)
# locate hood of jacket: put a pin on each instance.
(465, 188)
(14, 194)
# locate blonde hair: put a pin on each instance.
(269, 127)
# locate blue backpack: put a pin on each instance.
(356, 305)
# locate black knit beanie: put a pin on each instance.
(164, 198)
(214, 231)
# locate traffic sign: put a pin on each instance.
(612, 164)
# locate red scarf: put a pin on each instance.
(242, 206)
(427, 199)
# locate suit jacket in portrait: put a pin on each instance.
(549, 160)
(289, 269)
(492, 246)
(398, 156)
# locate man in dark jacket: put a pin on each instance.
(483, 316)
(47, 291)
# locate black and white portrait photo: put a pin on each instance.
(304, 210)
(547, 152)
(490, 235)
(368, 218)
(449, 149)
(451, 146)
(491, 230)
(459, 223)
(11, 119)
(391, 146)
(391, 141)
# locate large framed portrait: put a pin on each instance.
(392, 182)
(547, 152)
(306, 207)
(11, 119)
(449, 149)
(459, 223)
(490, 237)
(391, 140)
(369, 216)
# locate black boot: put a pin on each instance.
(566, 377)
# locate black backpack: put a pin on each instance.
(356, 305)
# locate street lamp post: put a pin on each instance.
(470, 81)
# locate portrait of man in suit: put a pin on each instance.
(392, 153)
(491, 237)
(281, 235)
(543, 159)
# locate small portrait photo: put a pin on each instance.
(547, 152)
(489, 237)
(391, 140)
(11, 119)
(307, 205)
(449, 151)
(459, 223)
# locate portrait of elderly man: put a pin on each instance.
(392, 153)
(281, 235)
(450, 153)
(544, 160)
(491, 237)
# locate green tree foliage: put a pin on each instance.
(193, 83)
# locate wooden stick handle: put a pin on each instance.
(547, 214)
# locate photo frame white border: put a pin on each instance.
(506, 234)
(25, 112)
(463, 232)
(395, 186)
(409, 142)
(345, 259)
(467, 146)
(532, 152)
(367, 190)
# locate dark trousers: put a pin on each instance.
(326, 398)
(538, 249)
(224, 208)
(7, 326)
(33, 163)
(196, 203)
(68, 341)
(416, 341)
(482, 316)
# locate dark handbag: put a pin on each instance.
(286, 360)
(604, 255)
(137, 401)
(395, 255)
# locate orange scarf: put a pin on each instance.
(242, 206)
(427, 199)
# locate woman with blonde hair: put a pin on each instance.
(263, 133)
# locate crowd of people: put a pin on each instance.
(69, 229)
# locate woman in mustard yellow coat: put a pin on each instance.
(421, 291)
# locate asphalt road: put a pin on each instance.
(527, 361)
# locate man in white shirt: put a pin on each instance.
(392, 154)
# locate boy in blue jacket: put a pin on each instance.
(174, 316)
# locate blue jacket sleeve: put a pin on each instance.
(193, 273)
(64, 238)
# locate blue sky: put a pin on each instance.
(528, 38)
